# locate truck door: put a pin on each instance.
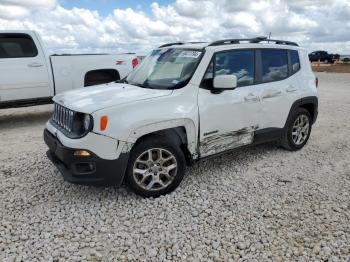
(228, 119)
(23, 70)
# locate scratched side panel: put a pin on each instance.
(218, 143)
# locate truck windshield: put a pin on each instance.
(169, 68)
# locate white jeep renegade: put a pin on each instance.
(184, 102)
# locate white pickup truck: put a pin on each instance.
(29, 76)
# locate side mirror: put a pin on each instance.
(225, 82)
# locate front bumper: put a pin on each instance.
(85, 170)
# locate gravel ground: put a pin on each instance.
(332, 68)
(259, 204)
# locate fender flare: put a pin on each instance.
(304, 101)
(188, 124)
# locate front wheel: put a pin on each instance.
(156, 167)
(297, 131)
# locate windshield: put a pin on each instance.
(168, 68)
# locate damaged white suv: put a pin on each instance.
(184, 102)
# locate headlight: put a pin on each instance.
(82, 124)
(87, 121)
(73, 124)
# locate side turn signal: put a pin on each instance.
(103, 123)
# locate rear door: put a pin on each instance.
(228, 118)
(278, 86)
(23, 71)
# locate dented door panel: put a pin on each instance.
(227, 120)
(214, 144)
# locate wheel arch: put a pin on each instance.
(101, 76)
(310, 103)
(180, 131)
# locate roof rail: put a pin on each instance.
(180, 43)
(170, 44)
(251, 40)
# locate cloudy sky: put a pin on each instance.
(80, 26)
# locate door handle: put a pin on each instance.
(251, 98)
(35, 64)
(272, 94)
(291, 89)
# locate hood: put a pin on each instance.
(93, 98)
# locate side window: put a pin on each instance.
(239, 63)
(294, 58)
(16, 46)
(207, 81)
(209, 74)
(274, 65)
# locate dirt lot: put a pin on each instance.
(259, 204)
(338, 68)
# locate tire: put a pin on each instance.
(151, 174)
(290, 138)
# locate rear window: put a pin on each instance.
(294, 58)
(16, 46)
(274, 65)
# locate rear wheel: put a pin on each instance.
(297, 131)
(156, 167)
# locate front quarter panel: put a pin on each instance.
(128, 122)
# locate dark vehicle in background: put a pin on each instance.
(323, 56)
(346, 59)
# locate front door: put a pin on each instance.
(228, 119)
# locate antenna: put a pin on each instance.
(268, 41)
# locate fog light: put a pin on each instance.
(81, 153)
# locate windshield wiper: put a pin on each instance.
(123, 81)
(142, 86)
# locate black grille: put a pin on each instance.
(63, 118)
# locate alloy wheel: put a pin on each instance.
(155, 169)
(300, 130)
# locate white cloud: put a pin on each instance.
(12, 11)
(30, 3)
(15, 9)
(309, 22)
(194, 9)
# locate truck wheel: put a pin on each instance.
(298, 130)
(156, 167)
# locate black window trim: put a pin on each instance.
(257, 65)
(225, 51)
(201, 85)
(290, 65)
(24, 35)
